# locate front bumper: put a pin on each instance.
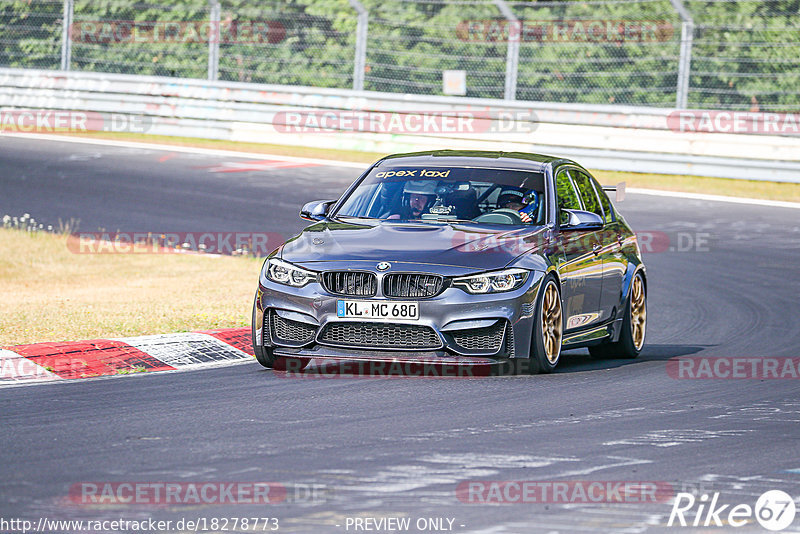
(453, 325)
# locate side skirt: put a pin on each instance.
(588, 337)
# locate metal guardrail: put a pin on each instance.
(615, 137)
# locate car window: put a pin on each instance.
(436, 194)
(605, 202)
(567, 197)
(587, 192)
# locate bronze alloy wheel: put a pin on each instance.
(632, 331)
(638, 312)
(552, 328)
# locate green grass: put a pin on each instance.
(131, 370)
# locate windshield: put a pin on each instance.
(407, 193)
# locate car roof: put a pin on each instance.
(473, 158)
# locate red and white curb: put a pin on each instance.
(47, 362)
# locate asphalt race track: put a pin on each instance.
(379, 448)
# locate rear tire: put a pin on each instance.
(264, 354)
(548, 329)
(631, 339)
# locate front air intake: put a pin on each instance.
(379, 336)
(412, 285)
(350, 283)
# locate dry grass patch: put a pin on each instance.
(48, 293)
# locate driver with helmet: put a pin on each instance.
(418, 197)
(523, 203)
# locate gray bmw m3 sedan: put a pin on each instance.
(457, 256)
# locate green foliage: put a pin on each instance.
(31, 33)
(746, 54)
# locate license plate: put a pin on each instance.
(358, 309)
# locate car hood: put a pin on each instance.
(473, 247)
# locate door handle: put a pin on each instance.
(596, 248)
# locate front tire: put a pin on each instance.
(634, 324)
(548, 329)
(264, 354)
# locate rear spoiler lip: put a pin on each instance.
(619, 189)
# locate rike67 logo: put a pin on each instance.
(774, 510)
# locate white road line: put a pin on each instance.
(189, 150)
(363, 166)
(715, 198)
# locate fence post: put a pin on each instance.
(66, 41)
(213, 40)
(512, 52)
(685, 61)
(360, 60)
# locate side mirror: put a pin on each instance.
(316, 210)
(580, 220)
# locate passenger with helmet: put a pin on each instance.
(523, 203)
(418, 197)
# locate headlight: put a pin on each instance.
(287, 274)
(494, 282)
